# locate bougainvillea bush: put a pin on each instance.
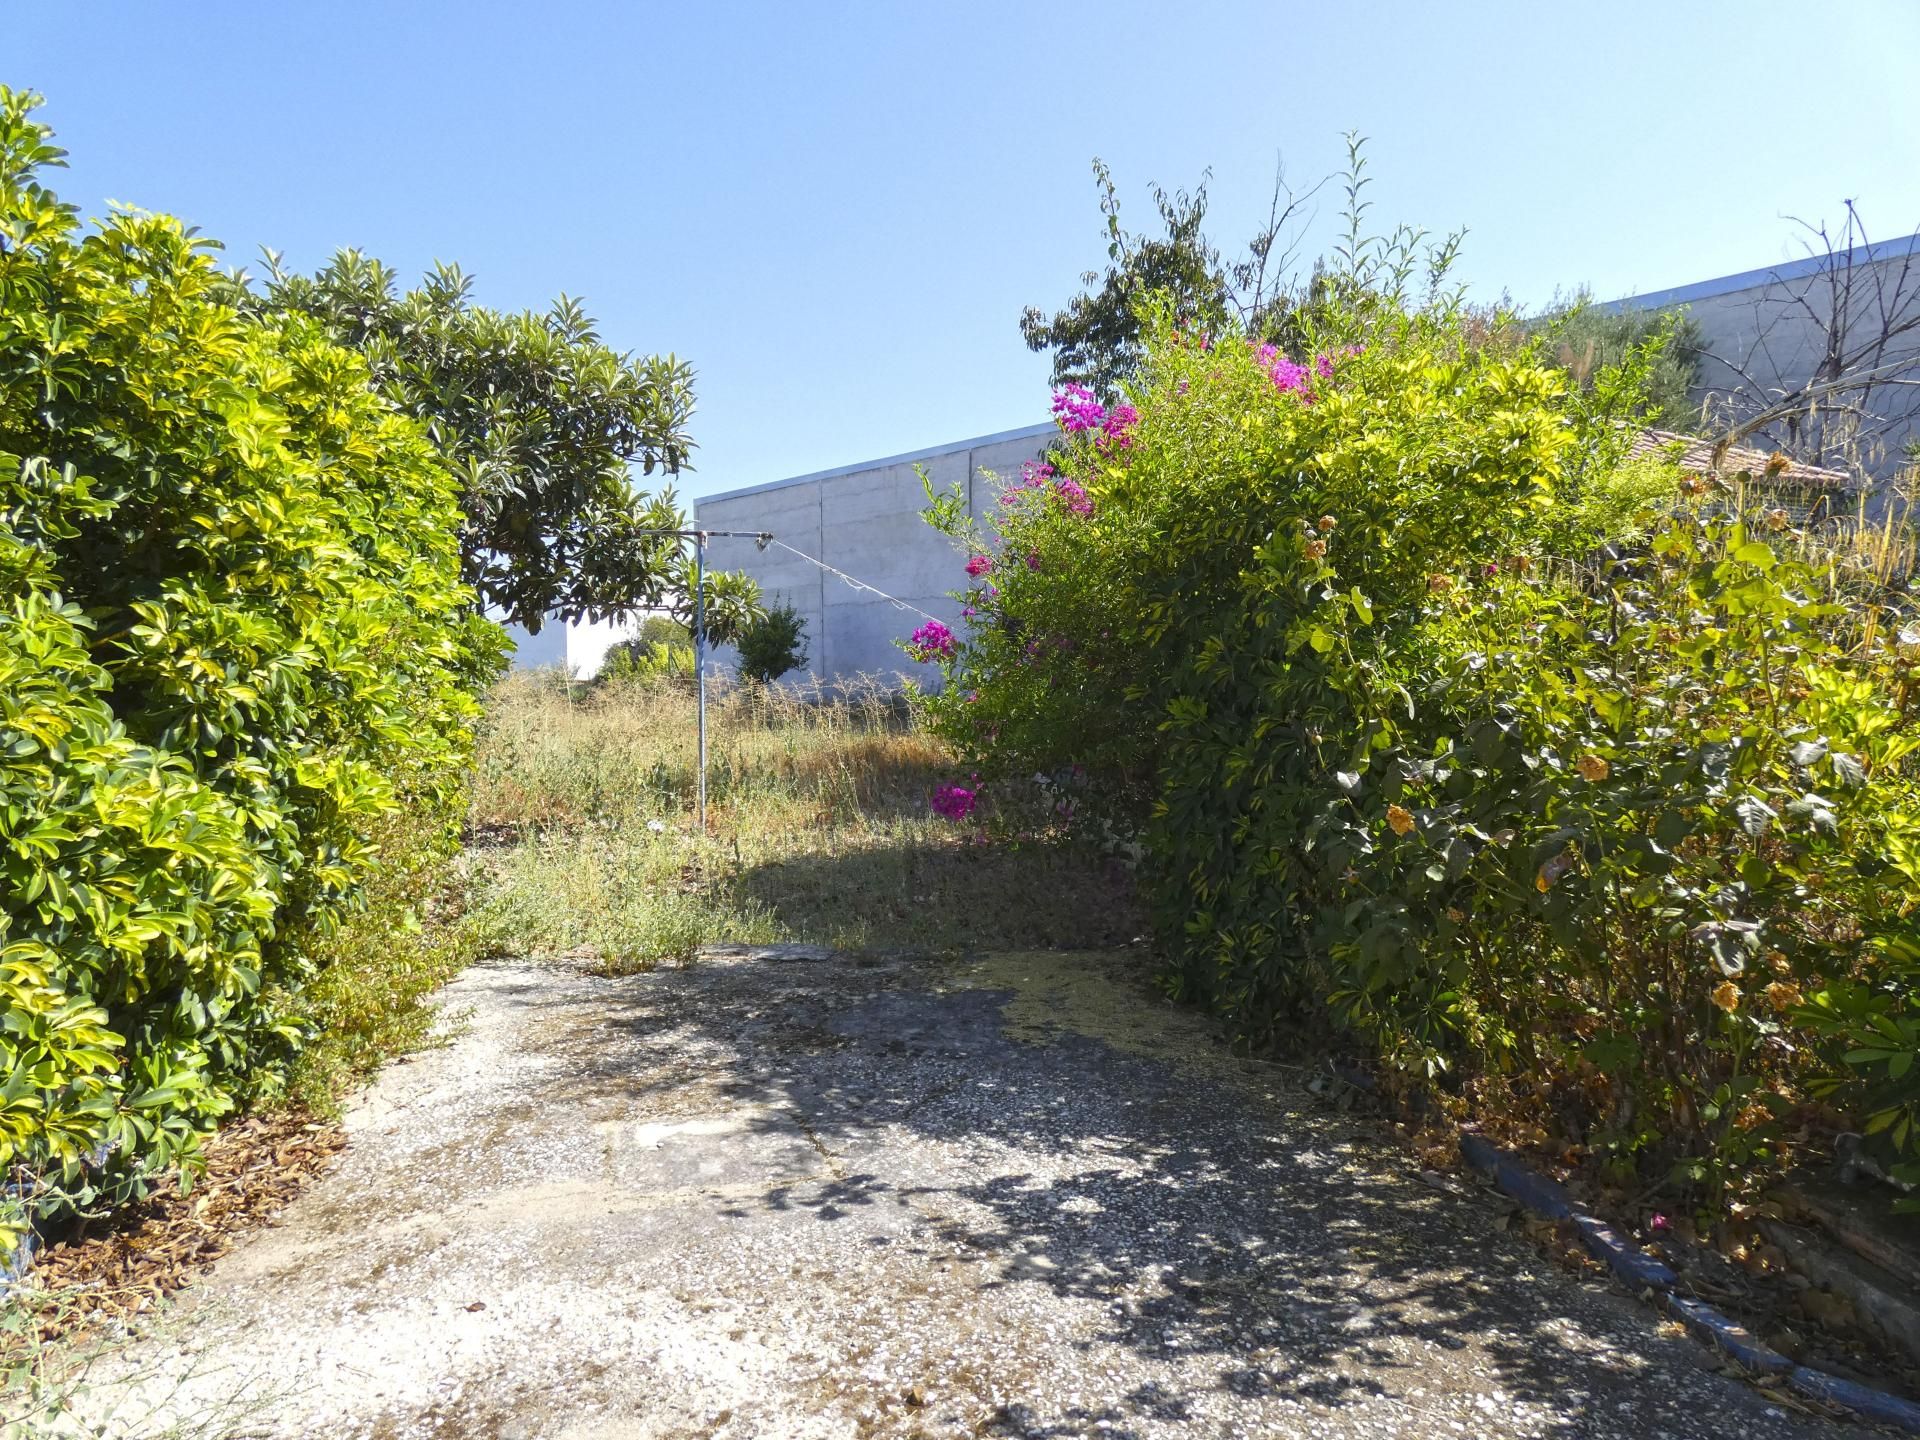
(233, 646)
(1546, 776)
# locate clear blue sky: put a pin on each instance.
(837, 211)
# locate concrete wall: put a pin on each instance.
(1764, 330)
(865, 520)
(539, 652)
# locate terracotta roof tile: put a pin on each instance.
(1694, 453)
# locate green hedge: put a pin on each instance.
(232, 641)
(1571, 797)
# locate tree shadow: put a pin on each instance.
(1243, 1250)
(894, 895)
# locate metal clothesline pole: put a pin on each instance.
(700, 665)
(700, 538)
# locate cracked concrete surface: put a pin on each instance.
(782, 1193)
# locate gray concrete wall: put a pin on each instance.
(1763, 332)
(865, 519)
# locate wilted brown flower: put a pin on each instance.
(1400, 819)
(1777, 520)
(1778, 960)
(1726, 995)
(1553, 870)
(1777, 463)
(1783, 996)
(1327, 522)
(1456, 915)
(1691, 484)
(1316, 548)
(1439, 584)
(1592, 768)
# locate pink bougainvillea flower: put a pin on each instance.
(978, 565)
(1033, 559)
(1075, 409)
(932, 641)
(1290, 377)
(954, 802)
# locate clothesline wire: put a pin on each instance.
(857, 584)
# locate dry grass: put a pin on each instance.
(819, 831)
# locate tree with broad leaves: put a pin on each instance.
(542, 423)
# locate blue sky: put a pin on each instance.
(837, 211)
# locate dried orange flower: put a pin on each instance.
(1327, 522)
(1778, 960)
(1400, 819)
(1783, 996)
(1726, 995)
(1592, 768)
(1776, 463)
(1553, 870)
(1456, 915)
(1777, 520)
(1316, 548)
(1439, 584)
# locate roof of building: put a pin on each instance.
(1025, 432)
(1694, 453)
(1767, 275)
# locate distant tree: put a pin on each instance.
(1096, 339)
(665, 630)
(540, 422)
(1586, 341)
(773, 644)
(643, 659)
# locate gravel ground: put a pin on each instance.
(782, 1193)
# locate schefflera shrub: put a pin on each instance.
(1598, 820)
(233, 641)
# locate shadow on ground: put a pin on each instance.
(1212, 1249)
(894, 896)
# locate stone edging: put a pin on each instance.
(1549, 1200)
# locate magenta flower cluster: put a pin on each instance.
(978, 565)
(1038, 477)
(954, 802)
(1077, 412)
(1075, 496)
(1290, 377)
(932, 641)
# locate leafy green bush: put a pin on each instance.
(233, 641)
(642, 659)
(1594, 815)
(773, 644)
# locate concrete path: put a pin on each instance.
(785, 1194)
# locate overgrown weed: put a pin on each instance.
(819, 830)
